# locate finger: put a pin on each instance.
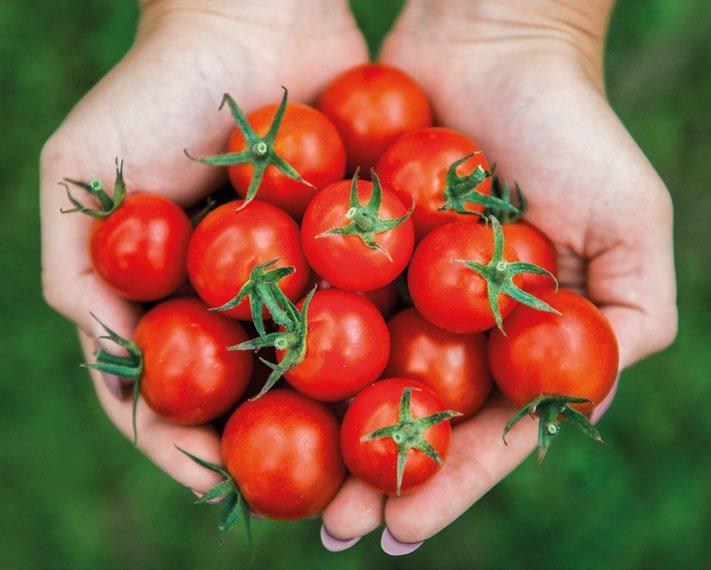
(477, 460)
(355, 511)
(157, 438)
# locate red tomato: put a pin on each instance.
(189, 377)
(372, 105)
(532, 245)
(346, 261)
(375, 460)
(228, 244)
(416, 166)
(385, 298)
(447, 292)
(282, 450)
(140, 249)
(453, 365)
(574, 355)
(347, 346)
(307, 140)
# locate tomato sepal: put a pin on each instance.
(259, 152)
(107, 204)
(263, 290)
(234, 506)
(408, 433)
(364, 219)
(499, 274)
(502, 192)
(551, 410)
(460, 190)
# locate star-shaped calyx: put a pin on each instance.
(107, 204)
(409, 433)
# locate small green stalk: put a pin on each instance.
(551, 410)
(292, 340)
(107, 204)
(210, 204)
(262, 288)
(502, 191)
(499, 275)
(260, 152)
(408, 433)
(129, 367)
(234, 505)
(364, 220)
(460, 190)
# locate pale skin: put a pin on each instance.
(523, 78)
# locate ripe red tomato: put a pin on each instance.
(447, 292)
(574, 354)
(229, 243)
(372, 105)
(347, 346)
(346, 261)
(532, 245)
(140, 249)
(374, 459)
(416, 165)
(453, 365)
(385, 298)
(189, 377)
(282, 450)
(307, 140)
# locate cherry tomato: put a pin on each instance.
(228, 244)
(282, 450)
(346, 261)
(416, 165)
(447, 292)
(347, 346)
(189, 377)
(307, 140)
(385, 298)
(140, 249)
(453, 365)
(532, 245)
(372, 105)
(375, 459)
(574, 354)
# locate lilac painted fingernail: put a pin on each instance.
(257, 516)
(333, 544)
(394, 547)
(215, 501)
(601, 408)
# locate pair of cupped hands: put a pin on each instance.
(523, 79)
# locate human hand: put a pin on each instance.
(524, 79)
(159, 99)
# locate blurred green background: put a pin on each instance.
(73, 492)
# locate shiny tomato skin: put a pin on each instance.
(228, 244)
(140, 249)
(384, 298)
(375, 461)
(307, 140)
(532, 245)
(448, 293)
(345, 261)
(416, 165)
(282, 450)
(454, 366)
(189, 376)
(572, 355)
(347, 347)
(372, 105)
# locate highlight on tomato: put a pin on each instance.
(557, 367)
(284, 153)
(357, 235)
(138, 242)
(179, 362)
(372, 105)
(395, 435)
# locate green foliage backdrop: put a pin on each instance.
(73, 492)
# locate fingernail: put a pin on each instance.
(257, 516)
(215, 501)
(603, 406)
(333, 544)
(394, 547)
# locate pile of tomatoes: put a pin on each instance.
(366, 291)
